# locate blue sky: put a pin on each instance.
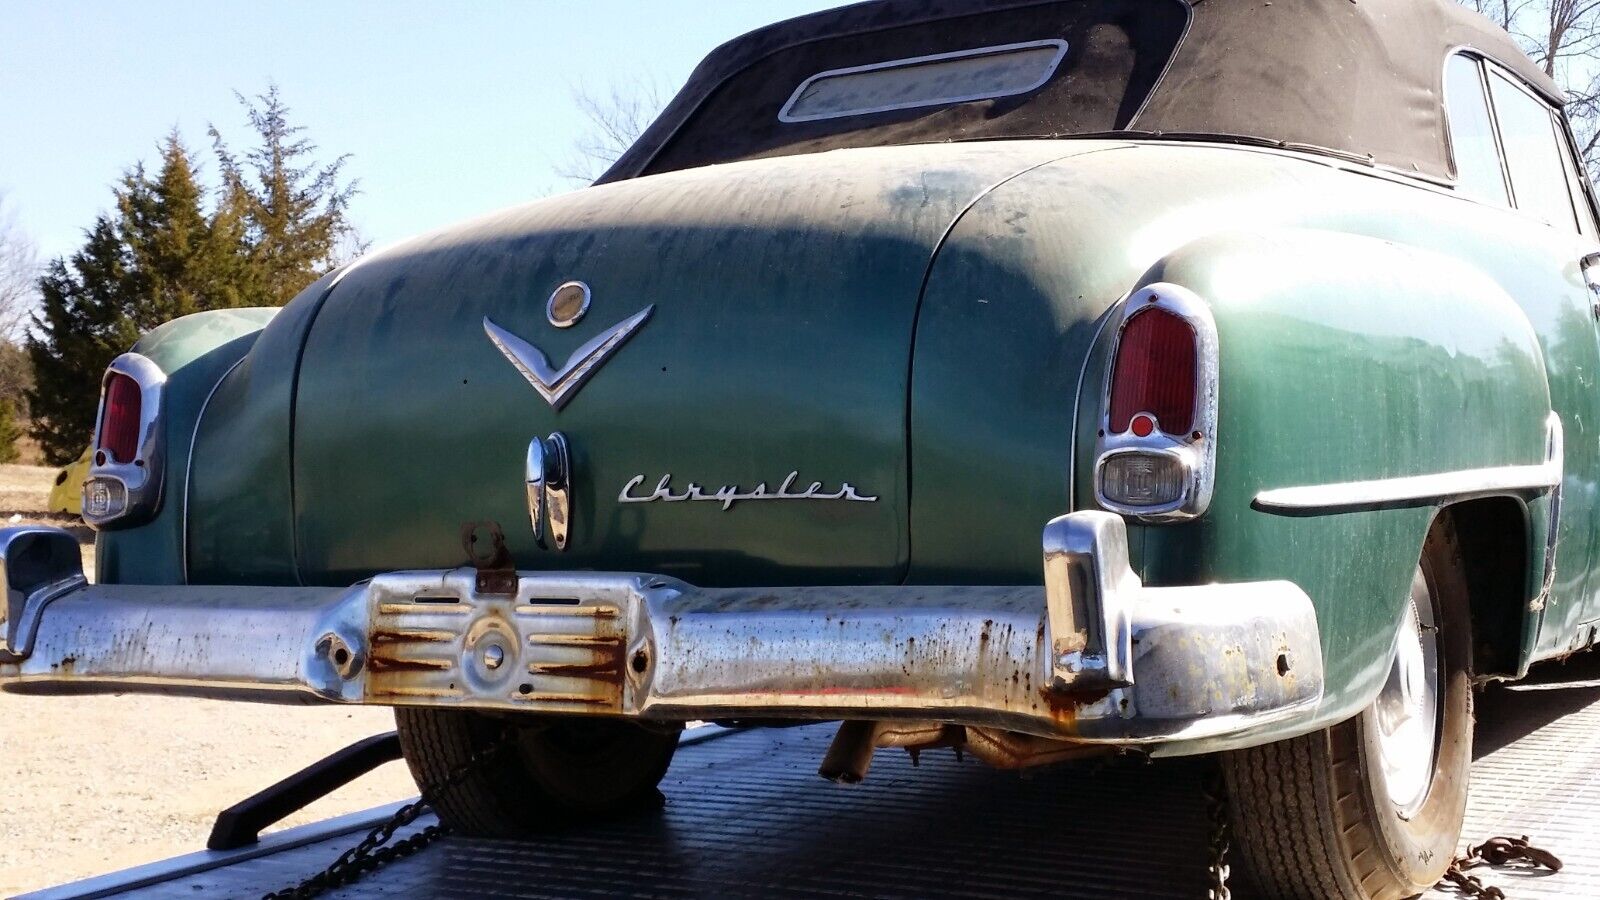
(448, 109)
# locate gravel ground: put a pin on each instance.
(99, 783)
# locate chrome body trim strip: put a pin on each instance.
(1417, 490)
(141, 478)
(1196, 450)
(1555, 451)
(1092, 656)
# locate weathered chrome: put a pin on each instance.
(533, 477)
(1555, 450)
(558, 386)
(37, 565)
(548, 481)
(1413, 490)
(1407, 713)
(568, 303)
(1089, 585)
(729, 494)
(1182, 662)
(558, 487)
(1196, 452)
(140, 478)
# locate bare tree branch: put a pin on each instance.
(1562, 37)
(19, 272)
(616, 118)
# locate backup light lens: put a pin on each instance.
(1142, 479)
(119, 424)
(1154, 372)
(104, 498)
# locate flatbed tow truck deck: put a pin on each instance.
(746, 815)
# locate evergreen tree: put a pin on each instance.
(10, 433)
(182, 259)
(83, 323)
(293, 211)
(277, 224)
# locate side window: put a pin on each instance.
(1478, 172)
(1528, 133)
(1575, 179)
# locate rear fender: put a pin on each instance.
(194, 352)
(1344, 360)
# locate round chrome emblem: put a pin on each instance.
(568, 304)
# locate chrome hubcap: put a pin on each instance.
(1408, 710)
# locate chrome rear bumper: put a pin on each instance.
(1092, 656)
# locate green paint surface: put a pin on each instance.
(916, 321)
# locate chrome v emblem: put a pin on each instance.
(558, 386)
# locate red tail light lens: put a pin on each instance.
(1154, 373)
(119, 423)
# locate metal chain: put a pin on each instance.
(374, 850)
(1220, 838)
(1497, 852)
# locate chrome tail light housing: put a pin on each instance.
(1156, 450)
(123, 487)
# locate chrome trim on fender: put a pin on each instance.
(1195, 451)
(1093, 656)
(1555, 451)
(141, 477)
(1420, 490)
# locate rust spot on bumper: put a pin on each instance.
(379, 664)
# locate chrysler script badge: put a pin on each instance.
(558, 386)
(729, 494)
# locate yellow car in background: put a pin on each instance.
(66, 495)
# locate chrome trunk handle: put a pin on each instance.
(548, 478)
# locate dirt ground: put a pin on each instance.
(99, 783)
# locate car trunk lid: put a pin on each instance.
(742, 422)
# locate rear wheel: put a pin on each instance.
(1371, 809)
(555, 771)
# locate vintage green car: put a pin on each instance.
(1031, 377)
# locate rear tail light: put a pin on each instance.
(119, 422)
(1154, 373)
(1156, 447)
(125, 474)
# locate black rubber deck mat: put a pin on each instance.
(748, 816)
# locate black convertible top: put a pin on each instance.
(1357, 77)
